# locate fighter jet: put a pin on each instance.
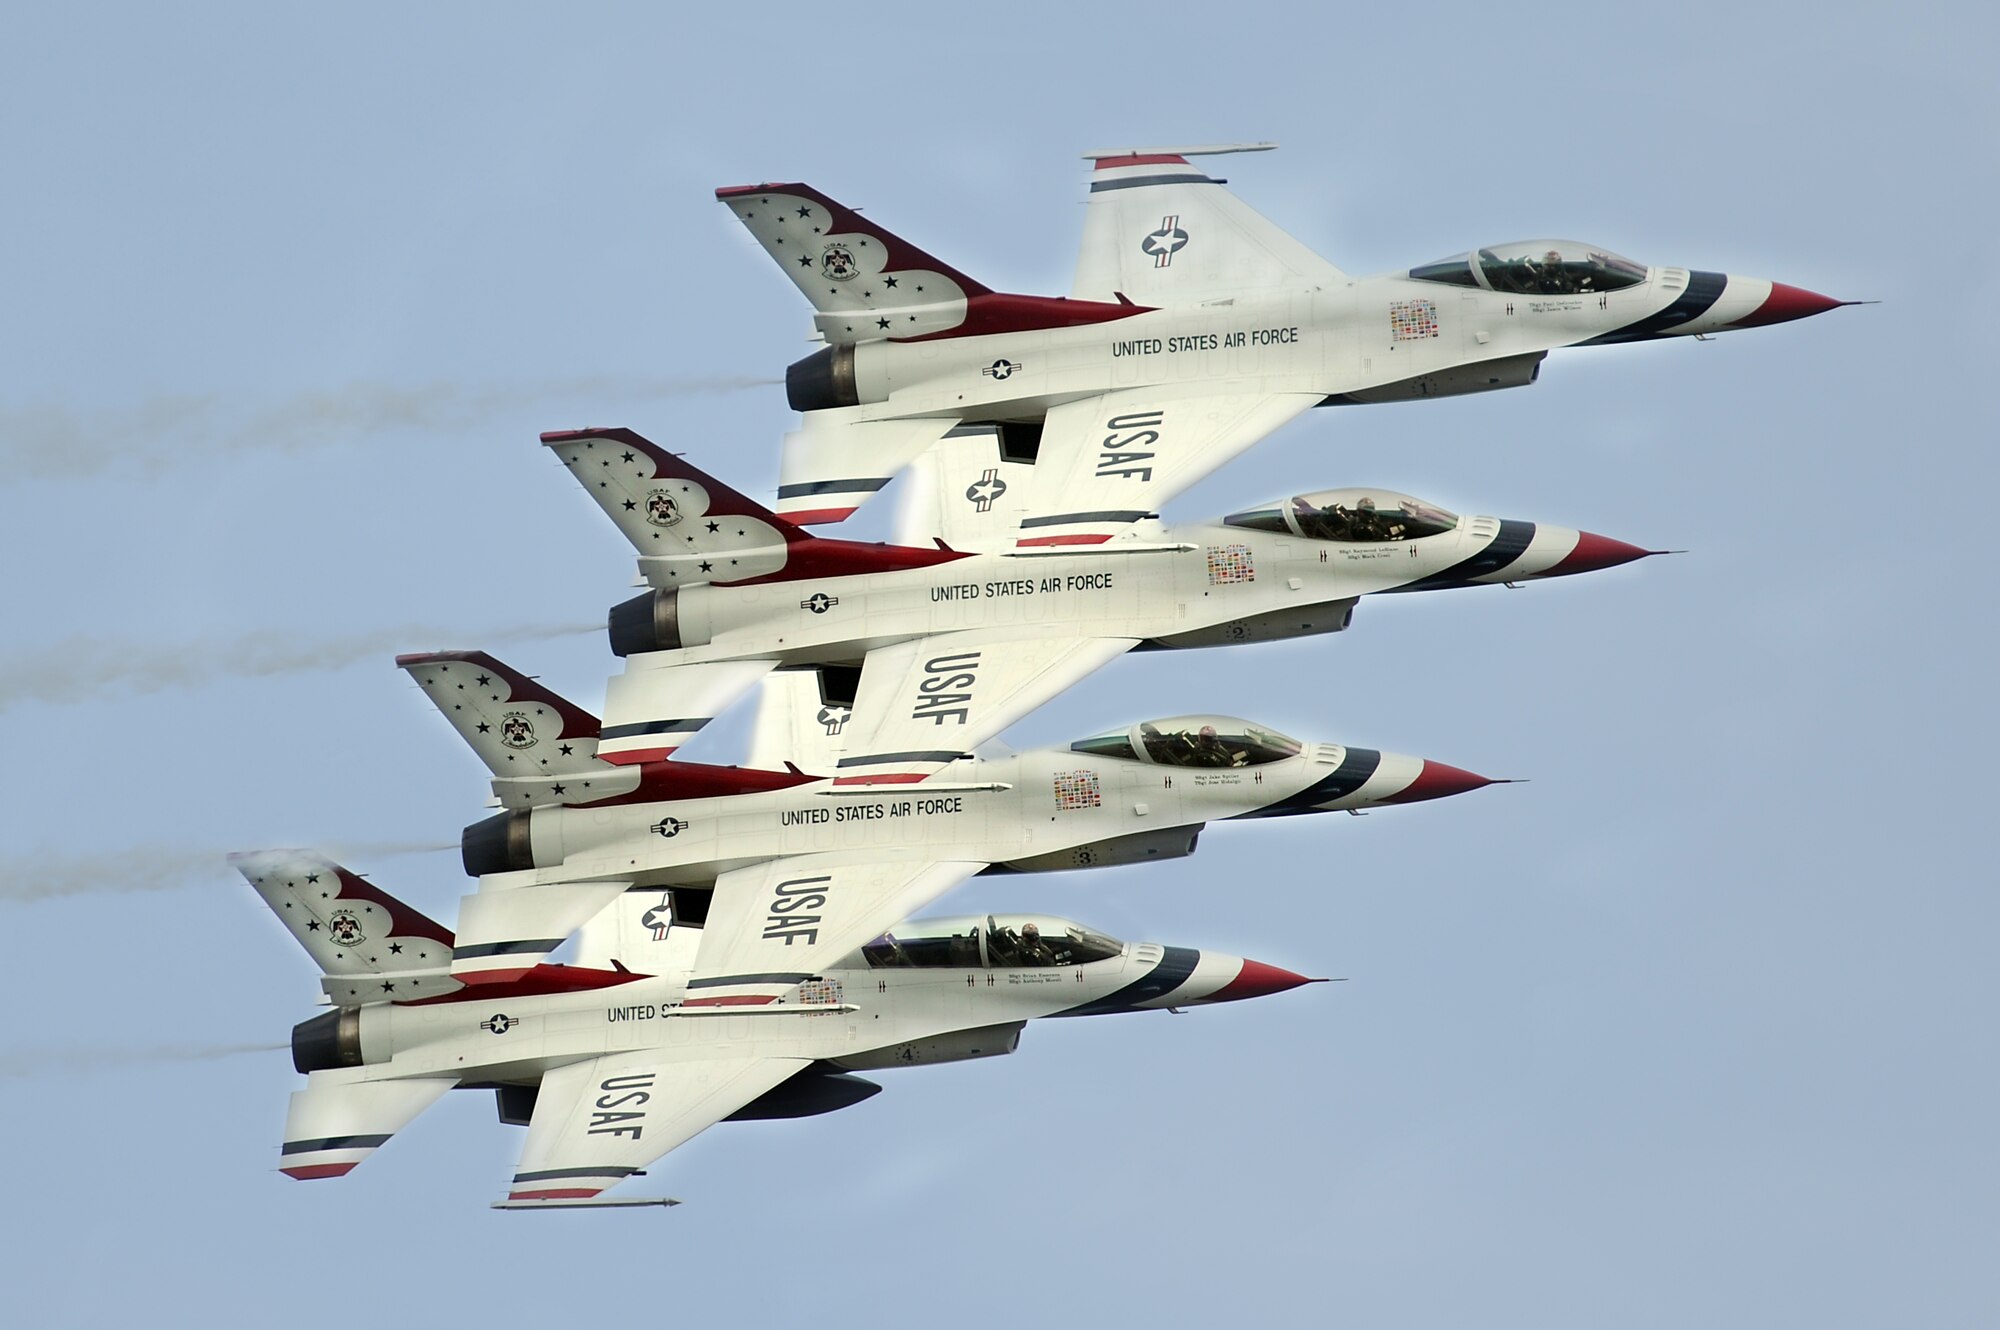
(610, 1063)
(1194, 328)
(739, 591)
(798, 867)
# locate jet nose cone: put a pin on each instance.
(1257, 979)
(1786, 303)
(1438, 781)
(1593, 552)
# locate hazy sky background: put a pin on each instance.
(1694, 1028)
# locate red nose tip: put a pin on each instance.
(1593, 552)
(1786, 303)
(1438, 781)
(1258, 980)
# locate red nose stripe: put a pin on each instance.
(1437, 781)
(1593, 552)
(1257, 980)
(1786, 303)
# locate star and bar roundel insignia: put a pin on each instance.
(1164, 243)
(819, 602)
(668, 827)
(499, 1023)
(983, 491)
(1000, 369)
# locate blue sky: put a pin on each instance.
(1697, 1024)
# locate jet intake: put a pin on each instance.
(1138, 848)
(823, 379)
(988, 1041)
(1479, 377)
(499, 844)
(327, 1041)
(1330, 616)
(648, 622)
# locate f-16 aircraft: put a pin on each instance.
(954, 642)
(1194, 328)
(798, 868)
(610, 1063)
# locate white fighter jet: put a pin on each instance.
(958, 634)
(610, 1063)
(1194, 328)
(798, 868)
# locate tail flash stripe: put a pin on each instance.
(1063, 519)
(334, 1143)
(555, 1194)
(478, 950)
(1190, 177)
(308, 1172)
(685, 725)
(880, 759)
(718, 981)
(547, 1174)
(866, 485)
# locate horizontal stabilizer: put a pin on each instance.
(1198, 150)
(503, 934)
(336, 1122)
(370, 947)
(656, 706)
(835, 463)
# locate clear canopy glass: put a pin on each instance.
(1193, 741)
(994, 941)
(1350, 516)
(1536, 268)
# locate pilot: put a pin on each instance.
(1366, 522)
(1206, 749)
(1034, 951)
(1158, 747)
(1002, 947)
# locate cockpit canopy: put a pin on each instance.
(1193, 741)
(1351, 516)
(1536, 268)
(994, 941)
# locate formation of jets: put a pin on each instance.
(740, 938)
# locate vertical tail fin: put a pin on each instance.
(370, 946)
(686, 525)
(540, 747)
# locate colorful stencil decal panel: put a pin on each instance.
(1412, 320)
(1078, 789)
(1230, 564)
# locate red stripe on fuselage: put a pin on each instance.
(1148, 159)
(731, 1000)
(1063, 540)
(555, 1194)
(307, 1172)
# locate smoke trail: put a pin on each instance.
(46, 440)
(18, 1063)
(83, 667)
(46, 875)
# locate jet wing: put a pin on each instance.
(774, 925)
(1110, 461)
(1159, 232)
(924, 704)
(597, 1123)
